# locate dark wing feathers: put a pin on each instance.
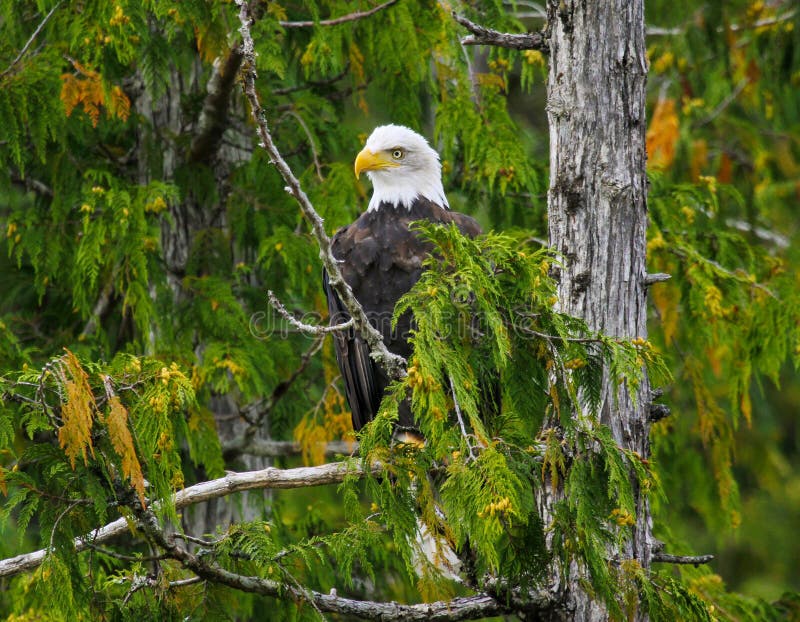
(360, 374)
(380, 260)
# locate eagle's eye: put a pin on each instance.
(398, 154)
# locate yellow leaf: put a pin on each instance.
(662, 135)
(77, 413)
(122, 441)
(3, 487)
(88, 91)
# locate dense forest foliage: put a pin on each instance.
(140, 356)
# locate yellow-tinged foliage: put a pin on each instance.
(662, 135)
(77, 411)
(85, 88)
(121, 439)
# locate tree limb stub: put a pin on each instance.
(214, 118)
(481, 35)
(332, 473)
(393, 365)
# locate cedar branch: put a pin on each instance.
(272, 478)
(393, 365)
(464, 608)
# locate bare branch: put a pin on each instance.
(694, 560)
(351, 17)
(393, 365)
(213, 119)
(184, 582)
(486, 36)
(271, 478)
(33, 185)
(301, 326)
(464, 434)
(766, 235)
(30, 41)
(256, 412)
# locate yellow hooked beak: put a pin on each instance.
(369, 161)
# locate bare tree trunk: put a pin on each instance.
(597, 208)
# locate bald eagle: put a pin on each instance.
(381, 258)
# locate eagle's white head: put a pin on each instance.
(402, 166)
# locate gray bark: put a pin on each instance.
(597, 209)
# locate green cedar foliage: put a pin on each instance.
(478, 307)
(98, 121)
(726, 108)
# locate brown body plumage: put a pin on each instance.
(381, 260)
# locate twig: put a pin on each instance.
(66, 511)
(269, 478)
(393, 365)
(304, 127)
(281, 389)
(199, 541)
(184, 582)
(724, 103)
(30, 41)
(481, 35)
(351, 17)
(781, 241)
(461, 419)
(694, 560)
(301, 326)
